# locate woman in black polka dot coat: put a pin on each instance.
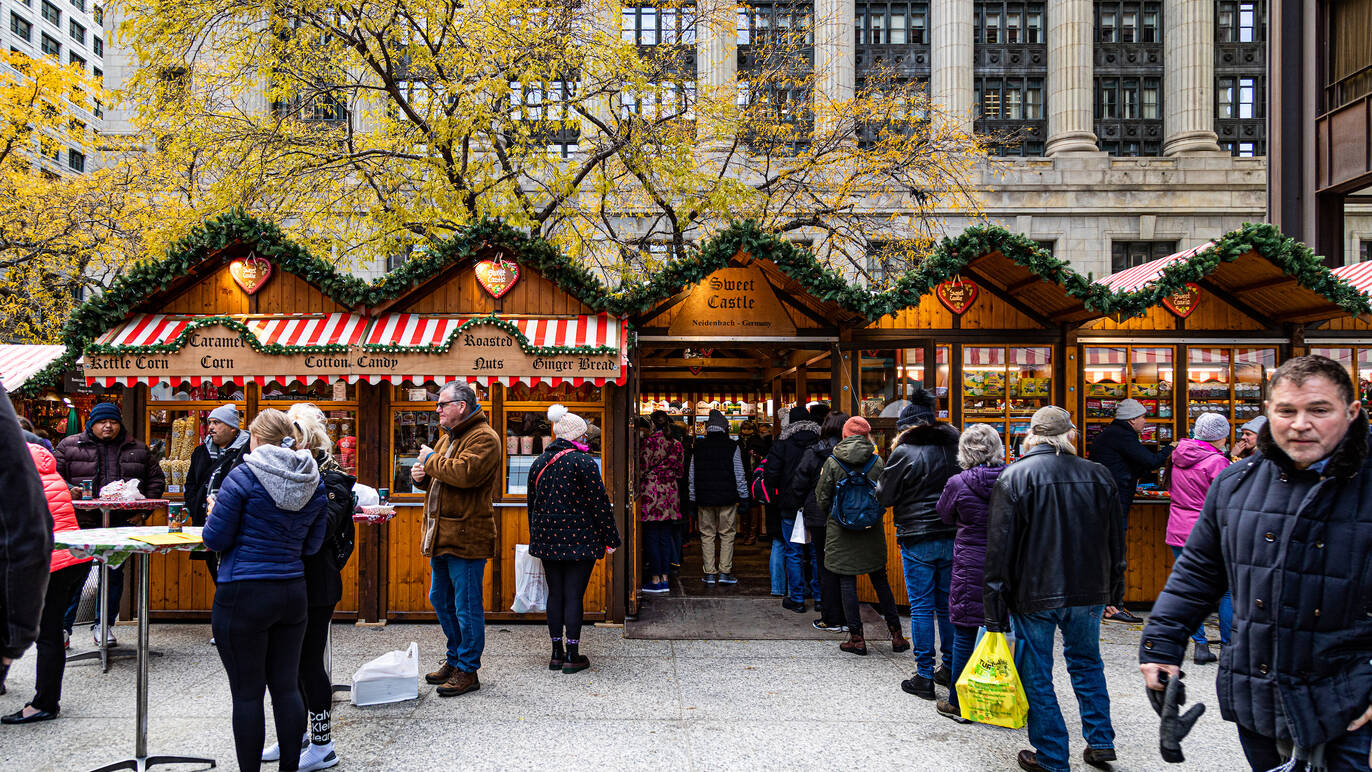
(570, 528)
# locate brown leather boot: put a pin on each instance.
(898, 642)
(855, 644)
(460, 683)
(443, 673)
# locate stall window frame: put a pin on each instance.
(1234, 422)
(1006, 419)
(189, 406)
(396, 407)
(1083, 419)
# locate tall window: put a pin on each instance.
(76, 160)
(1010, 70)
(544, 107)
(1127, 254)
(98, 46)
(77, 32)
(51, 47)
(1240, 76)
(80, 5)
(649, 25)
(1128, 59)
(775, 58)
(21, 27)
(52, 14)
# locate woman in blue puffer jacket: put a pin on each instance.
(269, 513)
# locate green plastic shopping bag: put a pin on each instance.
(989, 689)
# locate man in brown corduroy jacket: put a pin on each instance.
(459, 476)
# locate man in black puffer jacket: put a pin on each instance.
(924, 457)
(800, 433)
(1289, 530)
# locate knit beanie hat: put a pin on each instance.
(1255, 425)
(717, 421)
(856, 425)
(1129, 409)
(1211, 427)
(798, 413)
(225, 414)
(566, 424)
(105, 411)
(819, 411)
(919, 411)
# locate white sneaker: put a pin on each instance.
(273, 751)
(110, 640)
(318, 757)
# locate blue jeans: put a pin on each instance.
(456, 597)
(928, 570)
(776, 567)
(1348, 752)
(964, 641)
(799, 557)
(1226, 615)
(1080, 627)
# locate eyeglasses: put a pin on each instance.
(449, 402)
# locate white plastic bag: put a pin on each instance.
(798, 534)
(391, 677)
(531, 584)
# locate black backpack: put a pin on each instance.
(341, 538)
(855, 504)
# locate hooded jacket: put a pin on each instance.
(270, 513)
(807, 475)
(58, 496)
(25, 539)
(966, 503)
(784, 458)
(1295, 546)
(850, 553)
(82, 457)
(1054, 537)
(323, 572)
(923, 459)
(1195, 465)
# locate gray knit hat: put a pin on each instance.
(1211, 427)
(225, 414)
(1129, 409)
(1255, 425)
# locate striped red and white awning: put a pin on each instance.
(424, 330)
(978, 356)
(1357, 274)
(19, 362)
(1220, 356)
(337, 329)
(1118, 355)
(1140, 276)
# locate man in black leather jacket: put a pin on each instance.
(1054, 559)
(924, 457)
(1289, 529)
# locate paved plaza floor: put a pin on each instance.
(644, 704)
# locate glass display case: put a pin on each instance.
(1002, 386)
(414, 423)
(890, 376)
(527, 431)
(1228, 381)
(205, 392)
(173, 432)
(1357, 360)
(1112, 374)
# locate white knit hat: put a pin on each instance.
(566, 424)
(1211, 427)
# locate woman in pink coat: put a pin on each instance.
(1194, 465)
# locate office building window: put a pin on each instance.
(892, 38)
(1047, 245)
(79, 5)
(1013, 23)
(52, 14)
(98, 46)
(1010, 70)
(1240, 76)
(1128, 99)
(1128, 22)
(21, 27)
(1127, 254)
(76, 160)
(72, 58)
(51, 47)
(1239, 22)
(77, 32)
(99, 15)
(1364, 250)
(648, 25)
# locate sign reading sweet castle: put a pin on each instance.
(733, 302)
(150, 348)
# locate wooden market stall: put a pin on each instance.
(1217, 319)
(237, 313)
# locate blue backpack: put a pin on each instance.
(855, 504)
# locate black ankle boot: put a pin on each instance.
(559, 655)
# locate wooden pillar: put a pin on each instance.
(373, 422)
(802, 386)
(617, 434)
(777, 396)
(838, 368)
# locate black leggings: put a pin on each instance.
(52, 656)
(259, 626)
(886, 602)
(567, 580)
(314, 679)
(829, 593)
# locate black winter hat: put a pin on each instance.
(717, 421)
(798, 413)
(819, 411)
(919, 411)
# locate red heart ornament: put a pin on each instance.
(250, 273)
(956, 296)
(1184, 301)
(497, 277)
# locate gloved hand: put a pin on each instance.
(1174, 726)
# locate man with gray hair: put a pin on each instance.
(1054, 559)
(459, 476)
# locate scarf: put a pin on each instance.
(217, 453)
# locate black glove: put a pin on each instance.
(1174, 726)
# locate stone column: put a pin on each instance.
(716, 70)
(834, 69)
(1070, 85)
(951, 66)
(1189, 79)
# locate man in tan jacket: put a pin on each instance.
(459, 475)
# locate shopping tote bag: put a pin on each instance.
(989, 689)
(531, 584)
(391, 677)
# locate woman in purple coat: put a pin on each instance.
(964, 503)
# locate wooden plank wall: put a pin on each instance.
(1212, 314)
(988, 312)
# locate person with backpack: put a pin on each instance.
(816, 520)
(800, 433)
(571, 526)
(855, 544)
(660, 460)
(323, 590)
(1194, 465)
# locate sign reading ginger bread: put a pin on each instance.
(217, 351)
(733, 302)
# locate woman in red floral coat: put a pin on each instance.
(660, 462)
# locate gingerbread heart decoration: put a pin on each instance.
(497, 276)
(250, 273)
(1183, 301)
(957, 295)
